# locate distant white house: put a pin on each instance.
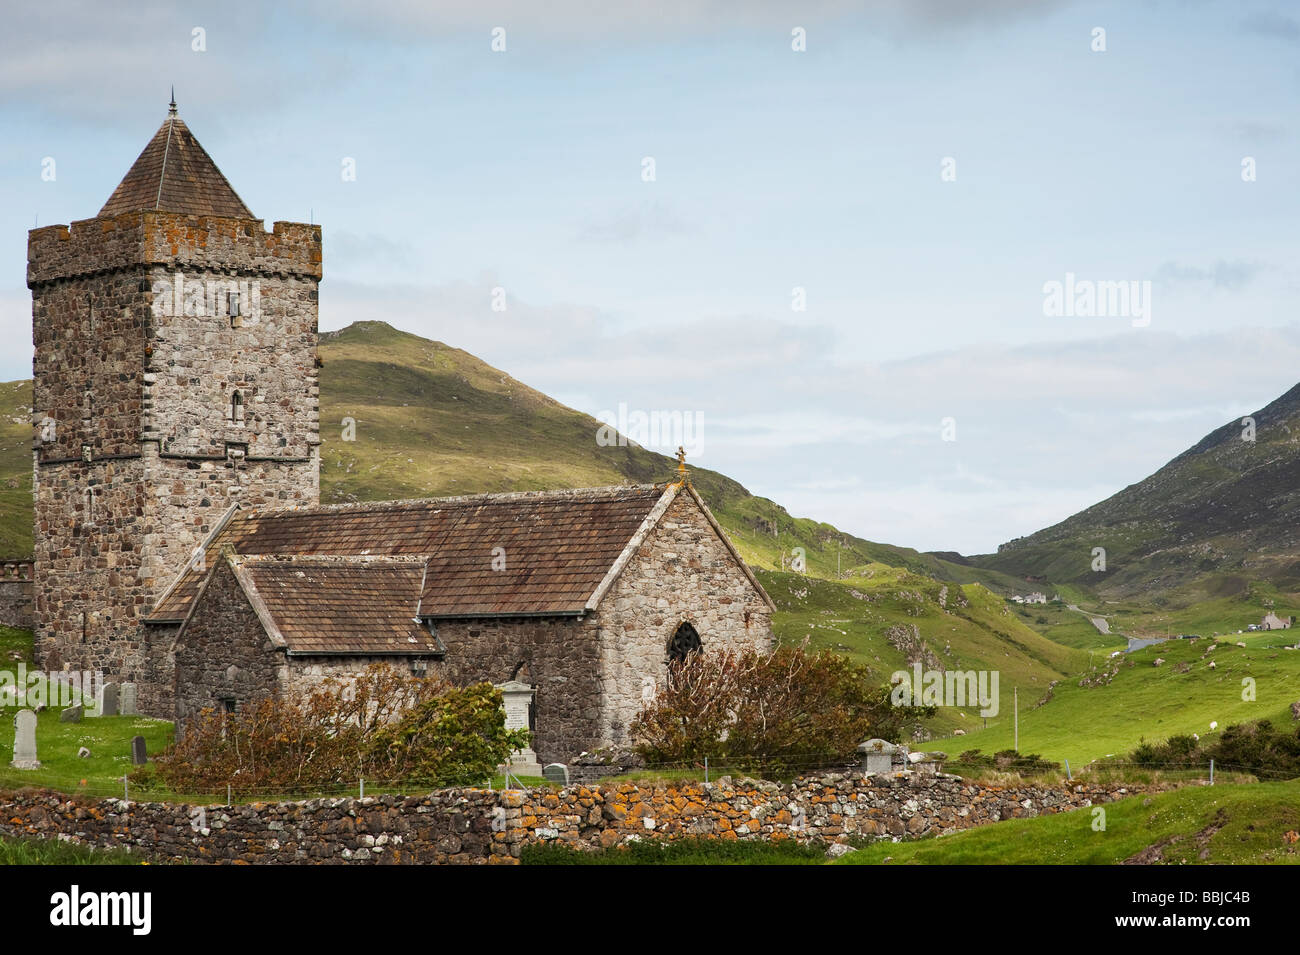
(1272, 621)
(1018, 599)
(1036, 598)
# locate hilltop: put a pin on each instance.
(434, 420)
(1216, 520)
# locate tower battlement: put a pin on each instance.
(153, 238)
(174, 375)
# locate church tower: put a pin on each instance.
(175, 376)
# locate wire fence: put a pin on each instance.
(235, 792)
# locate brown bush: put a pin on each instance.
(387, 727)
(773, 713)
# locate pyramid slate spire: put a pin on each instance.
(175, 174)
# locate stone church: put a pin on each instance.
(179, 540)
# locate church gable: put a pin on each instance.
(684, 571)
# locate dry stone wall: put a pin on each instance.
(471, 826)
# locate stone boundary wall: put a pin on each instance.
(467, 826)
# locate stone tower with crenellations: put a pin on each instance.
(175, 375)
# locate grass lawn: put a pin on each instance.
(108, 738)
(55, 852)
(1242, 824)
(1145, 701)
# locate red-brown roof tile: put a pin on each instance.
(557, 546)
(175, 174)
(340, 605)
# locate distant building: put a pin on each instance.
(1036, 598)
(1018, 599)
(1272, 621)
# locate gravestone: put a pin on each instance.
(139, 756)
(127, 700)
(877, 756)
(517, 701)
(556, 773)
(72, 714)
(107, 702)
(25, 741)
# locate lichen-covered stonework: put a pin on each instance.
(477, 826)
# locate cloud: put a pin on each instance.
(1272, 24)
(349, 251)
(651, 219)
(84, 60)
(1260, 133)
(1227, 275)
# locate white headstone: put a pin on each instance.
(127, 700)
(25, 741)
(517, 700)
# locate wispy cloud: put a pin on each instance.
(1271, 23)
(1226, 275)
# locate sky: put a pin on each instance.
(825, 234)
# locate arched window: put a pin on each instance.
(236, 408)
(685, 641)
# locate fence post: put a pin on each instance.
(1211, 772)
(126, 789)
(706, 769)
(362, 783)
(228, 802)
(1067, 771)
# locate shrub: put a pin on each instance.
(456, 739)
(772, 713)
(1257, 748)
(1007, 761)
(386, 727)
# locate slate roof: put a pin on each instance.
(175, 174)
(338, 605)
(558, 547)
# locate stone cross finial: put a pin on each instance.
(681, 462)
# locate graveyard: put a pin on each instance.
(107, 739)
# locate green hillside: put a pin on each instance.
(1129, 698)
(1215, 825)
(889, 618)
(1219, 517)
(15, 469)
